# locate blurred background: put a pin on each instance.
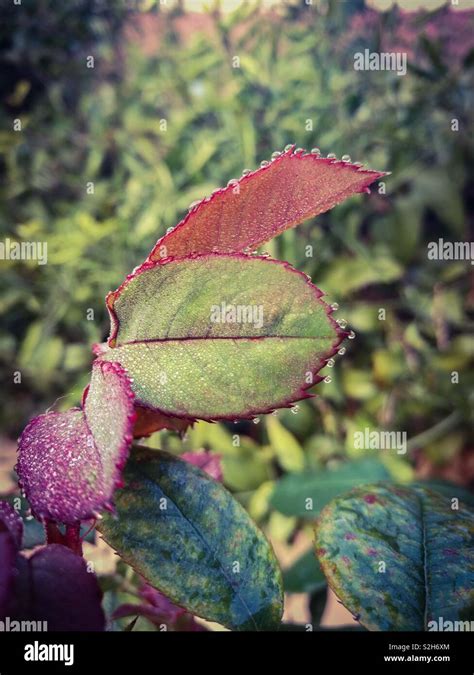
(180, 97)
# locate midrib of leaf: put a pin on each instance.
(206, 544)
(225, 337)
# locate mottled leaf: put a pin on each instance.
(248, 212)
(189, 538)
(190, 358)
(305, 494)
(425, 547)
(54, 585)
(448, 489)
(70, 462)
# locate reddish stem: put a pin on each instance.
(53, 533)
(73, 538)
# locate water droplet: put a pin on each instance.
(264, 163)
(246, 172)
(276, 154)
(256, 420)
(342, 351)
(358, 164)
(298, 150)
(315, 151)
(331, 156)
(233, 181)
(351, 335)
(328, 379)
(335, 306)
(342, 323)
(288, 147)
(346, 158)
(330, 363)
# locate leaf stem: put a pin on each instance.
(437, 431)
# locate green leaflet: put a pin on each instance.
(287, 449)
(305, 575)
(193, 541)
(220, 336)
(305, 494)
(426, 546)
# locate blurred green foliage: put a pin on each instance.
(165, 117)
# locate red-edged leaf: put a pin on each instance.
(148, 421)
(177, 329)
(262, 204)
(207, 461)
(70, 462)
(55, 586)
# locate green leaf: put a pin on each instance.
(287, 449)
(247, 470)
(305, 494)
(189, 538)
(348, 275)
(220, 336)
(305, 575)
(426, 548)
